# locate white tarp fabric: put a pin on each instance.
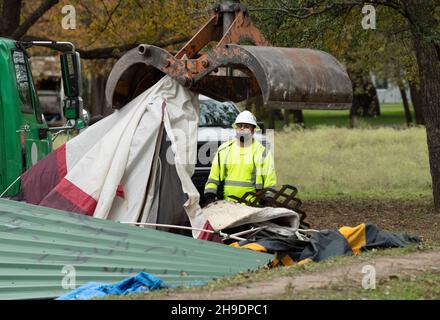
(113, 169)
(226, 214)
(179, 116)
(110, 170)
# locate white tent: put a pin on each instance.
(129, 166)
(136, 165)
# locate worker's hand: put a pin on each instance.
(209, 198)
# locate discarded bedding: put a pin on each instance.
(327, 243)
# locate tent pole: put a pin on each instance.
(224, 235)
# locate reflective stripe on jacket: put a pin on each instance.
(242, 169)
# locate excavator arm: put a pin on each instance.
(290, 78)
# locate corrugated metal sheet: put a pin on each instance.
(36, 243)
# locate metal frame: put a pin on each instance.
(269, 197)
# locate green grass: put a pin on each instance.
(424, 286)
(62, 138)
(380, 159)
(329, 162)
(391, 115)
(265, 274)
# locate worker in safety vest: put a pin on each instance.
(241, 165)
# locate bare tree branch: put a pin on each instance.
(290, 11)
(110, 52)
(90, 12)
(109, 20)
(344, 21)
(318, 7)
(106, 53)
(33, 17)
(9, 16)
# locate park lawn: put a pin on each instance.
(423, 286)
(331, 162)
(388, 161)
(391, 115)
(417, 286)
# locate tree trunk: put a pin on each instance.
(406, 110)
(420, 14)
(259, 109)
(373, 105)
(286, 117)
(351, 118)
(97, 100)
(298, 117)
(376, 103)
(353, 109)
(271, 119)
(416, 98)
(365, 99)
(10, 17)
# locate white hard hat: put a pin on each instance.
(246, 117)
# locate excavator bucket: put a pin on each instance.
(289, 78)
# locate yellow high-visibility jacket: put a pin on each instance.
(241, 169)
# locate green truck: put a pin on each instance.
(25, 136)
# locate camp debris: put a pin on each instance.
(140, 283)
(283, 232)
(45, 253)
(126, 166)
(119, 169)
(324, 244)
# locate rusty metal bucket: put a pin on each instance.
(288, 78)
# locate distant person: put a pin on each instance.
(240, 165)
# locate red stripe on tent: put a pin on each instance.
(61, 161)
(206, 235)
(120, 191)
(76, 196)
(209, 236)
(41, 178)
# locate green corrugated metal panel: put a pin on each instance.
(36, 243)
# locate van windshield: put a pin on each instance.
(217, 114)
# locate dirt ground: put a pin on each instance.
(413, 217)
(385, 268)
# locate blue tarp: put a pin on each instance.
(142, 282)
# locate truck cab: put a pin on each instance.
(25, 136)
(46, 72)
